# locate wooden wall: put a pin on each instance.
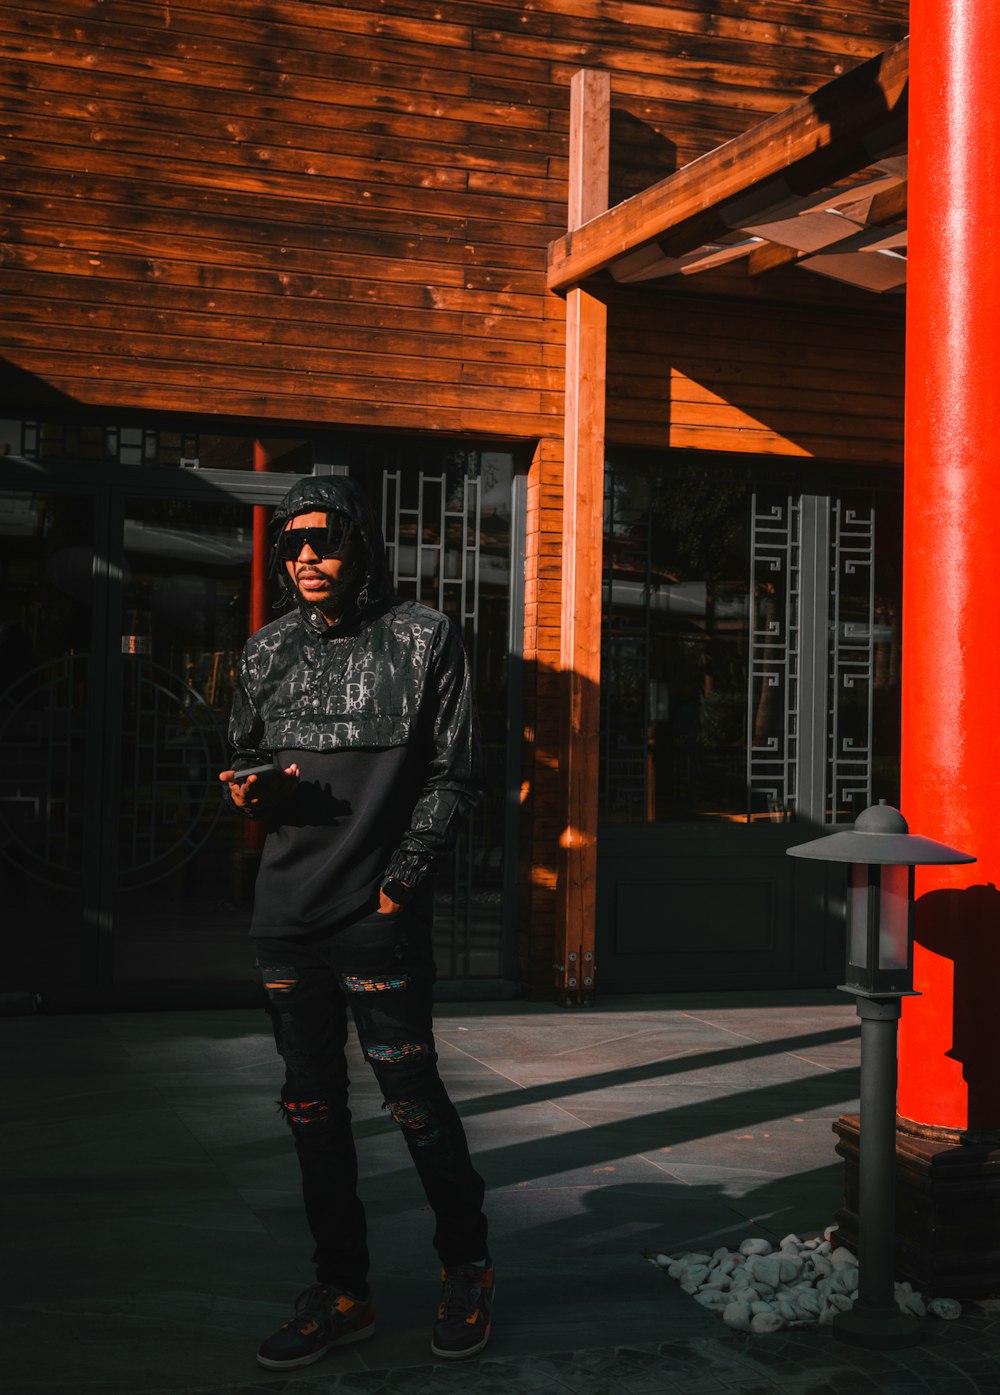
(761, 376)
(338, 213)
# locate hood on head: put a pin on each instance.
(324, 493)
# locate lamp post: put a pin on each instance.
(881, 854)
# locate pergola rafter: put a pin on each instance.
(829, 168)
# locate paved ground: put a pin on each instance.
(154, 1233)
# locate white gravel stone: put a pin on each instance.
(737, 1315)
(760, 1288)
(789, 1268)
(766, 1269)
(947, 1308)
(767, 1322)
(808, 1300)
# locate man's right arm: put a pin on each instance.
(252, 795)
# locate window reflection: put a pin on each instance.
(713, 644)
(674, 666)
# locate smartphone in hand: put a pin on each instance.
(261, 770)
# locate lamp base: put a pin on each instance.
(879, 1329)
(947, 1209)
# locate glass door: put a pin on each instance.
(750, 698)
(180, 865)
(49, 696)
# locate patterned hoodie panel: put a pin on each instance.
(394, 673)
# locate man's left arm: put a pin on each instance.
(454, 774)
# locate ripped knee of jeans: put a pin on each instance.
(382, 1053)
(278, 980)
(415, 1119)
(307, 1113)
(382, 984)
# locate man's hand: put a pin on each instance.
(260, 791)
(386, 906)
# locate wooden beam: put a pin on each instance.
(769, 257)
(583, 522)
(815, 140)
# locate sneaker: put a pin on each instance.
(464, 1317)
(325, 1317)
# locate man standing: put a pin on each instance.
(356, 710)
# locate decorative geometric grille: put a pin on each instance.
(42, 749)
(775, 652)
(852, 632)
(432, 541)
(172, 743)
(53, 442)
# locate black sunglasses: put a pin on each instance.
(322, 542)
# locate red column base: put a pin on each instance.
(947, 1209)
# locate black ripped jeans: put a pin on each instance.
(382, 968)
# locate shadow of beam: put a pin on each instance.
(629, 1075)
(591, 1146)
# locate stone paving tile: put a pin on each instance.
(952, 1359)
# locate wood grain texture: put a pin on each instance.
(374, 179)
(685, 206)
(582, 537)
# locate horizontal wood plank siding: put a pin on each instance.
(339, 212)
(761, 378)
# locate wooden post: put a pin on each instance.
(583, 516)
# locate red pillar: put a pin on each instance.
(261, 548)
(949, 1079)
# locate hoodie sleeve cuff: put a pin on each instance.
(407, 868)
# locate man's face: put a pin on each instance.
(322, 581)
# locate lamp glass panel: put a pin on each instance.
(894, 918)
(857, 913)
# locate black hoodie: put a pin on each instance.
(378, 713)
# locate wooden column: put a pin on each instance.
(583, 516)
